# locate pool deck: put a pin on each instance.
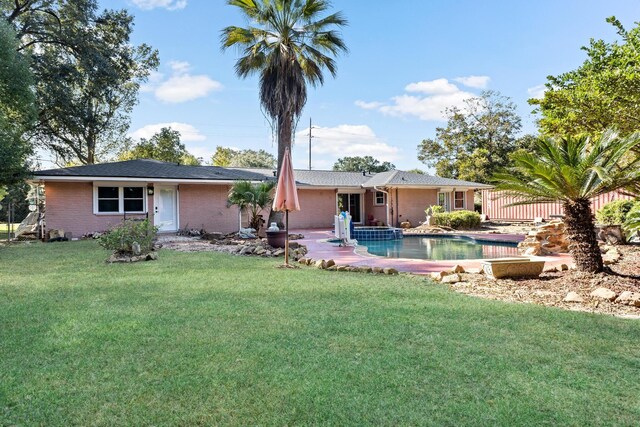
(319, 248)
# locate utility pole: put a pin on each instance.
(310, 143)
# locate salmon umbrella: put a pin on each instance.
(286, 198)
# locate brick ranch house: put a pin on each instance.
(86, 199)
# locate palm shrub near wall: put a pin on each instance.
(253, 198)
(615, 213)
(121, 238)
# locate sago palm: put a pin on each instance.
(289, 44)
(572, 171)
(251, 197)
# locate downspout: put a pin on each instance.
(386, 204)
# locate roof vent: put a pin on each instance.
(274, 173)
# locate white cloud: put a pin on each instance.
(434, 96)
(331, 143)
(478, 82)
(368, 105)
(537, 92)
(434, 87)
(152, 83)
(181, 86)
(188, 133)
(166, 4)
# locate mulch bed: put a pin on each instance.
(551, 288)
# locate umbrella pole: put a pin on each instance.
(286, 242)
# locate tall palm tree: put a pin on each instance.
(289, 44)
(572, 171)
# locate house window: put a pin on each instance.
(119, 200)
(458, 200)
(108, 199)
(379, 198)
(444, 201)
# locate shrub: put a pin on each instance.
(434, 209)
(632, 222)
(121, 237)
(458, 220)
(614, 213)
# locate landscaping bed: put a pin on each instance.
(553, 287)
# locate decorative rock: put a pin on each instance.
(389, 271)
(246, 250)
(378, 270)
(278, 252)
(604, 294)
(573, 297)
(545, 239)
(458, 269)
(135, 247)
(451, 278)
(212, 236)
(303, 261)
(563, 267)
(260, 250)
(332, 268)
(437, 276)
(321, 264)
(331, 263)
(342, 267)
(365, 270)
(629, 298)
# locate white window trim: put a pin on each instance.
(464, 200)
(120, 199)
(375, 198)
(447, 205)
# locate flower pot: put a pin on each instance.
(276, 239)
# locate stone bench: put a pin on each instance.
(512, 267)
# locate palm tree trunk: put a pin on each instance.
(285, 126)
(581, 233)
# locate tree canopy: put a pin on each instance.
(228, 157)
(165, 145)
(362, 164)
(17, 108)
(603, 92)
(87, 73)
(476, 141)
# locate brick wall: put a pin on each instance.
(69, 206)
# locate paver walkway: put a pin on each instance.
(319, 248)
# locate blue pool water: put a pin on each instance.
(439, 248)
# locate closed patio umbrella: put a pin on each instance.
(286, 198)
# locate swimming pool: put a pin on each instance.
(439, 248)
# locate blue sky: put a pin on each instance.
(407, 61)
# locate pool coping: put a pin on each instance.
(319, 248)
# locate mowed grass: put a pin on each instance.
(207, 338)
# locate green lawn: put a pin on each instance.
(205, 338)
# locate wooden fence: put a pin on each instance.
(496, 208)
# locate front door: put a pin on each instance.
(165, 210)
(352, 203)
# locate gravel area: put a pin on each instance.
(551, 288)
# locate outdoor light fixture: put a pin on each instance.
(150, 191)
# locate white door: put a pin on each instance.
(165, 210)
